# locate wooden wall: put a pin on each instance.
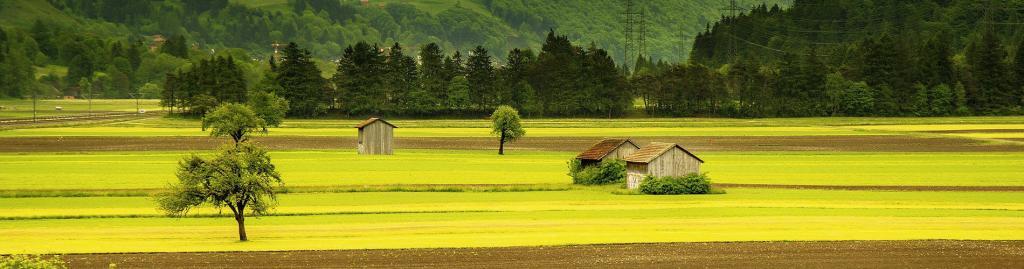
(635, 173)
(376, 139)
(674, 162)
(622, 151)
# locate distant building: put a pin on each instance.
(158, 40)
(376, 137)
(660, 160)
(615, 148)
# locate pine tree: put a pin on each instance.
(301, 84)
(991, 91)
(1018, 69)
(480, 74)
(433, 81)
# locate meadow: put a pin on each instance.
(22, 108)
(417, 220)
(101, 201)
(151, 170)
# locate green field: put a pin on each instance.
(147, 170)
(19, 108)
(336, 199)
(404, 220)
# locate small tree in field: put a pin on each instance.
(234, 120)
(241, 178)
(505, 124)
(268, 107)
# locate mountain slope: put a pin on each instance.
(326, 26)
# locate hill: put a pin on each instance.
(327, 26)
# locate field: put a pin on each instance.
(17, 108)
(844, 180)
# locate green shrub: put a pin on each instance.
(608, 172)
(31, 262)
(689, 184)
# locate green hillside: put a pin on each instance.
(327, 27)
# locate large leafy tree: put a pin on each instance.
(506, 125)
(240, 177)
(233, 120)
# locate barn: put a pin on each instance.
(376, 137)
(614, 148)
(659, 160)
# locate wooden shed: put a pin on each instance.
(660, 160)
(613, 148)
(376, 137)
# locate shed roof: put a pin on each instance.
(601, 149)
(648, 153)
(372, 120)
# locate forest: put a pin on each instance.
(851, 58)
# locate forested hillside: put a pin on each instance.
(852, 58)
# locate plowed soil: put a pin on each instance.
(875, 143)
(819, 254)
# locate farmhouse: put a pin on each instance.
(376, 137)
(659, 160)
(615, 148)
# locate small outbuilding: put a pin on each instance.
(614, 148)
(660, 160)
(376, 137)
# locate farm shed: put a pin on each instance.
(376, 137)
(615, 148)
(660, 160)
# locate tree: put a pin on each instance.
(505, 124)
(301, 83)
(240, 178)
(458, 93)
(480, 73)
(268, 107)
(990, 92)
(234, 120)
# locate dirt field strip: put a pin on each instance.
(875, 188)
(873, 143)
(813, 254)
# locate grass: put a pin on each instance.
(153, 170)
(22, 108)
(417, 220)
(567, 200)
(445, 132)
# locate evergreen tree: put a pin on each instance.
(480, 74)
(433, 81)
(360, 78)
(990, 91)
(514, 90)
(1018, 70)
(301, 83)
(936, 62)
(401, 79)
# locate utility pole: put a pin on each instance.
(35, 93)
(732, 9)
(629, 19)
(137, 96)
(642, 40)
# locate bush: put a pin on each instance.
(608, 172)
(32, 262)
(689, 184)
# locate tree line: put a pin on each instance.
(561, 80)
(848, 58)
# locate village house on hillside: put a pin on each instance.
(376, 137)
(660, 160)
(615, 148)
